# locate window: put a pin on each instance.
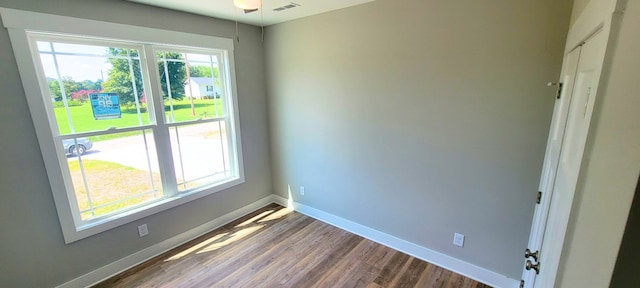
(120, 138)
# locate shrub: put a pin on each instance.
(70, 103)
(82, 95)
(131, 108)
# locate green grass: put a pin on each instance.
(109, 182)
(83, 121)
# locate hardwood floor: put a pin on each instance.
(274, 247)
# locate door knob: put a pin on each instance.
(530, 266)
(528, 253)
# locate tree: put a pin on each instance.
(54, 89)
(177, 75)
(119, 80)
(69, 85)
(203, 71)
(98, 85)
(90, 85)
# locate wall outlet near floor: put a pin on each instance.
(458, 239)
(142, 230)
(302, 190)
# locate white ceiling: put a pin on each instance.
(225, 9)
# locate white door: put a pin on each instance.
(565, 147)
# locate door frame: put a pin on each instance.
(599, 16)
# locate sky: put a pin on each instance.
(90, 62)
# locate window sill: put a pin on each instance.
(122, 218)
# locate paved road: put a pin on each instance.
(201, 153)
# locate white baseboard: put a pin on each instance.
(450, 263)
(141, 256)
(469, 270)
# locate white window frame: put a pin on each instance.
(20, 23)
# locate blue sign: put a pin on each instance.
(105, 106)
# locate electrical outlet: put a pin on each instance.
(302, 190)
(142, 230)
(458, 239)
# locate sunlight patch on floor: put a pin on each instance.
(196, 247)
(234, 237)
(281, 213)
(245, 223)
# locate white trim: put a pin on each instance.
(114, 268)
(445, 261)
(598, 17)
(19, 19)
(450, 263)
(592, 18)
(21, 23)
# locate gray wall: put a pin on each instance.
(419, 118)
(610, 173)
(32, 250)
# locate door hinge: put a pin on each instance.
(521, 283)
(529, 254)
(539, 198)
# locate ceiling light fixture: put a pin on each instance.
(248, 4)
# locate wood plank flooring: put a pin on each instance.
(275, 247)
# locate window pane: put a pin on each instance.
(43, 46)
(200, 154)
(194, 86)
(92, 87)
(80, 49)
(111, 175)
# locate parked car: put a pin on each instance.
(69, 145)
